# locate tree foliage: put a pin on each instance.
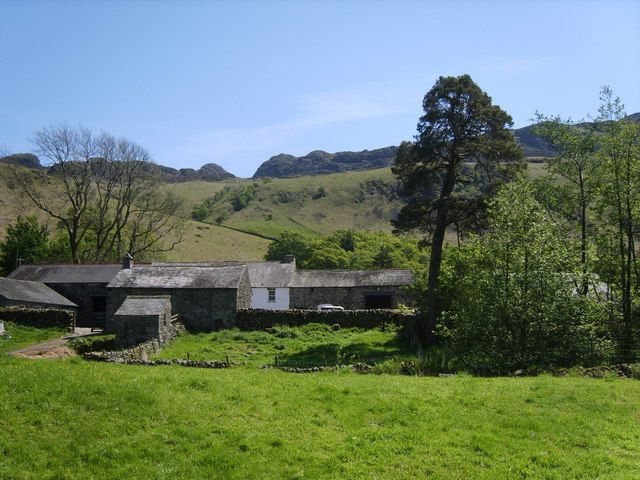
(348, 249)
(508, 297)
(27, 241)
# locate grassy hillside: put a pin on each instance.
(350, 201)
(74, 419)
(210, 242)
(360, 200)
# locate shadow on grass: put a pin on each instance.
(335, 354)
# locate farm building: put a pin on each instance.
(143, 318)
(206, 298)
(24, 293)
(270, 283)
(84, 285)
(351, 289)
(207, 295)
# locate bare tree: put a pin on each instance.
(107, 194)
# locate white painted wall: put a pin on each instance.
(260, 299)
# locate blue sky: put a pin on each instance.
(237, 82)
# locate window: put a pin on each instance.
(272, 295)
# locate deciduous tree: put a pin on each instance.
(106, 194)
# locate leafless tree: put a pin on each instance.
(107, 194)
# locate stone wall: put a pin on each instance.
(38, 317)
(351, 298)
(81, 294)
(264, 319)
(197, 309)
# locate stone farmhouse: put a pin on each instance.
(207, 295)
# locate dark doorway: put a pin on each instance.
(378, 301)
(99, 304)
(97, 315)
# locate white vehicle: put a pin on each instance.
(327, 307)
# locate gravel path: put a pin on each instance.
(56, 348)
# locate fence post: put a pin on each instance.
(276, 360)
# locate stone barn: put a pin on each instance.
(24, 293)
(351, 289)
(84, 285)
(143, 318)
(205, 298)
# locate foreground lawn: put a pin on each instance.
(72, 419)
(308, 345)
(21, 336)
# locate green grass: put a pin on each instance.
(211, 242)
(71, 419)
(21, 336)
(309, 345)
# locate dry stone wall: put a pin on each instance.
(38, 317)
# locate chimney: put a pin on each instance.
(288, 259)
(127, 262)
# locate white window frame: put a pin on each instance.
(271, 295)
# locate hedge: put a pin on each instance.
(38, 317)
(263, 319)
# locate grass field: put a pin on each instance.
(71, 419)
(309, 345)
(20, 336)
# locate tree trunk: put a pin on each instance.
(435, 260)
(433, 302)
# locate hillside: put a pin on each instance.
(201, 241)
(27, 160)
(362, 200)
(315, 205)
(321, 204)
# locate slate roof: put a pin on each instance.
(179, 277)
(32, 292)
(144, 305)
(66, 273)
(351, 278)
(209, 263)
(270, 274)
(261, 274)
